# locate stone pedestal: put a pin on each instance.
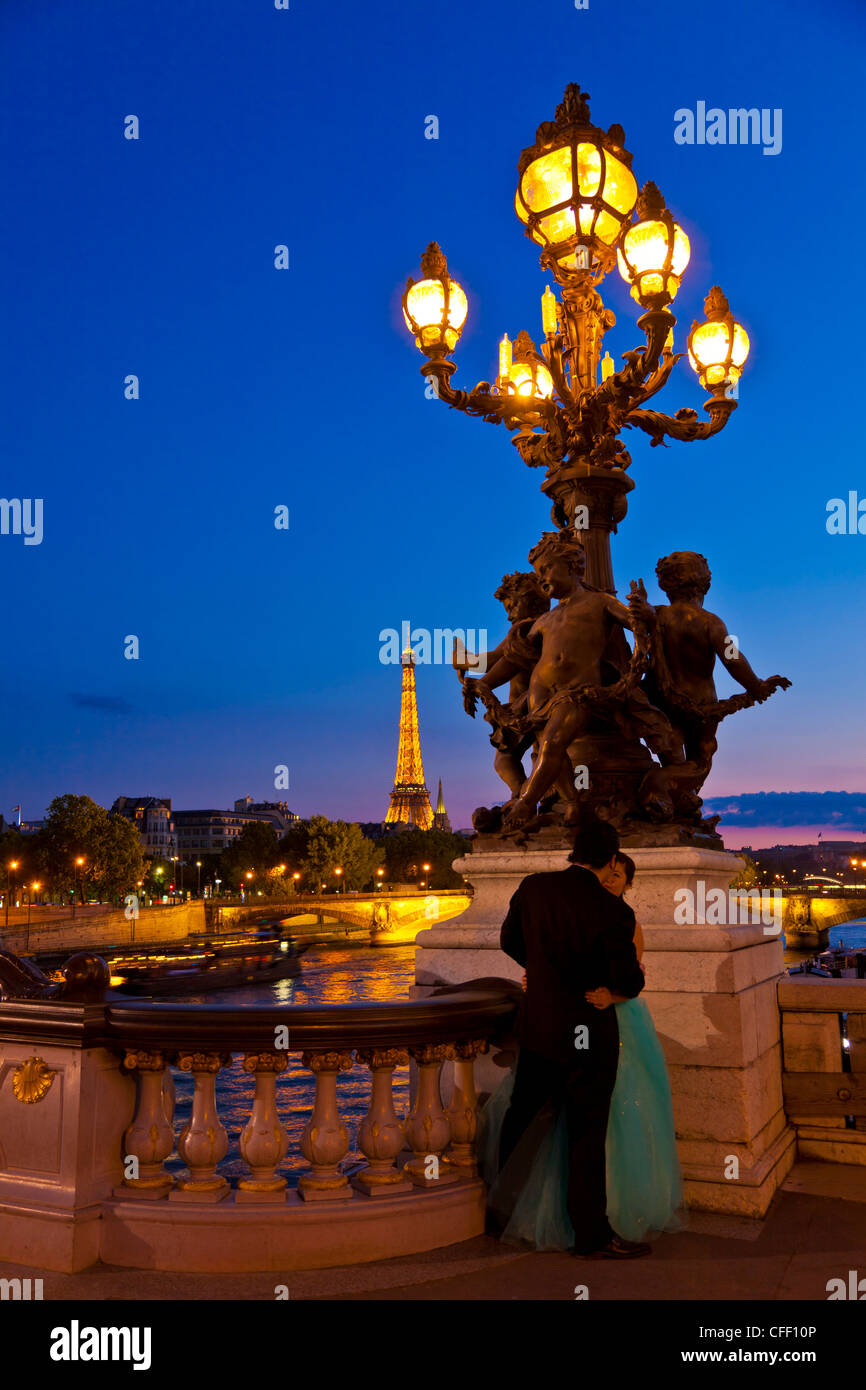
(65, 1106)
(711, 990)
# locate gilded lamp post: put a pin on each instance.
(579, 201)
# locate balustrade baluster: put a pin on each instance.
(263, 1143)
(168, 1096)
(381, 1134)
(463, 1111)
(150, 1138)
(325, 1139)
(204, 1141)
(427, 1128)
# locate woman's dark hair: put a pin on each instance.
(629, 865)
(595, 844)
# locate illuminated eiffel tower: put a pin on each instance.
(410, 800)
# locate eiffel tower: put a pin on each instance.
(410, 800)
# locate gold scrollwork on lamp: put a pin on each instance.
(32, 1080)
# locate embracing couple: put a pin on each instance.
(577, 1143)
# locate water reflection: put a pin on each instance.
(331, 975)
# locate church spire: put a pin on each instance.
(440, 818)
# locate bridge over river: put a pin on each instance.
(383, 919)
(808, 918)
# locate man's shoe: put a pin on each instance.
(617, 1249)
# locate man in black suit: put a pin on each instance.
(572, 936)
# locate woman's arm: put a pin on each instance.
(602, 997)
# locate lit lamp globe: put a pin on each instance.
(434, 308)
(575, 189)
(717, 348)
(520, 374)
(654, 252)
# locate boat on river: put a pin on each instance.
(839, 963)
(195, 969)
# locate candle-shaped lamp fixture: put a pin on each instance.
(548, 313)
(504, 357)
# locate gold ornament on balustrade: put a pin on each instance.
(202, 1061)
(380, 1058)
(327, 1061)
(465, 1051)
(32, 1080)
(144, 1061)
(428, 1053)
(265, 1061)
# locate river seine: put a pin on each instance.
(331, 975)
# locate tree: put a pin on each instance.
(333, 845)
(407, 851)
(23, 851)
(748, 877)
(159, 874)
(256, 851)
(109, 845)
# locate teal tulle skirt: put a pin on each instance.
(644, 1182)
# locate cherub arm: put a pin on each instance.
(463, 660)
(639, 608)
(496, 675)
(732, 659)
(618, 612)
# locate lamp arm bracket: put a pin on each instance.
(483, 403)
(685, 425)
(657, 379)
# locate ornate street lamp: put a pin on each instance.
(578, 200)
(434, 308)
(718, 347)
(653, 252)
(576, 188)
(520, 371)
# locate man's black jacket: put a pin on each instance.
(572, 935)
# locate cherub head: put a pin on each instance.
(558, 558)
(522, 596)
(683, 575)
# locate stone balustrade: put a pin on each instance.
(83, 1155)
(824, 1076)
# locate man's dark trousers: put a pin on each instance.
(585, 1090)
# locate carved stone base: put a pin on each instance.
(257, 1195)
(415, 1170)
(152, 1193)
(369, 1185)
(200, 1192)
(324, 1190)
(465, 1166)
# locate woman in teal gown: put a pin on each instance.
(644, 1182)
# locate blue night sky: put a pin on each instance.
(262, 387)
